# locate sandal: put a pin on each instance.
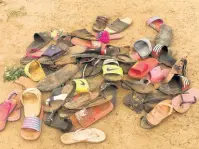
(112, 71)
(90, 135)
(155, 23)
(161, 111)
(34, 71)
(100, 23)
(183, 102)
(118, 25)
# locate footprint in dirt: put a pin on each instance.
(16, 13)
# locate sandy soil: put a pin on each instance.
(19, 19)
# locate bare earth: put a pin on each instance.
(19, 19)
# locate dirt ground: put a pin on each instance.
(19, 19)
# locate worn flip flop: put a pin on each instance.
(141, 68)
(16, 114)
(64, 40)
(112, 71)
(183, 102)
(34, 71)
(179, 68)
(157, 74)
(57, 78)
(80, 100)
(143, 47)
(55, 102)
(163, 55)
(178, 84)
(40, 40)
(90, 135)
(155, 22)
(6, 108)
(100, 23)
(134, 101)
(53, 120)
(87, 117)
(118, 25)
(161, 111)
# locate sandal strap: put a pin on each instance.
(32, 123)
(169, 105)
(81, 85)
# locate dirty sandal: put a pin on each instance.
(100, 23)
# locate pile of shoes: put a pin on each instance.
(72, 80)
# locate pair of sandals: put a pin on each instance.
(165, 108)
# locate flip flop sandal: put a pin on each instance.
(157, 74)
(134, 101)
(161, 111)
(86, 43)
(90, 135)
(34, 71)
(55, 102)
(155, 22)
(139, 86)
(31, 128)
(40, 40)
(80, 100)
(178, 84)
(142, 68)
(16, 113)
(112, 71)
(6, 108)
(165, 36)
(87, 117)
(25, 82)
(57, 78)
(155, 97)
(163, 55)
(183, 102)
(179, 68)
(143, 47)
(118, 25)
(53, 120)
(92, 69)
(100, 23)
